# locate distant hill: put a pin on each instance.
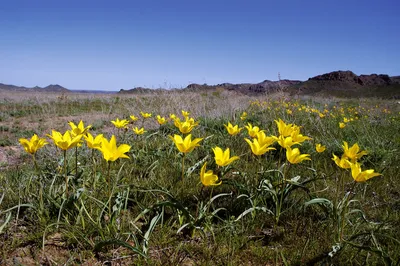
(246, 88)
(139, 90)
(336, 83)
(50, 88)
(348, 84)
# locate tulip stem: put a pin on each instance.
(40, 183)
(35, 164)
(183, 166)
(76, 162)
(109, 187)
(65, 173)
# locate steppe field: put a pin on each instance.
(198, 178)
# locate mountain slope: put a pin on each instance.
(50, 88)
(348, 84)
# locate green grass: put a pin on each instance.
(156, 218)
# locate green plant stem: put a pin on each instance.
(347, 198)
(65, 173)
(76, 161)
(183, 166)
(109, 187)
(281, 187)
(35, 164)
(40, 185)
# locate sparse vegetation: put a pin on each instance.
(82, 206)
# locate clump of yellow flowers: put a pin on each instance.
(349, 160)
(289, 135)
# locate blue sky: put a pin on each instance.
(112, 45)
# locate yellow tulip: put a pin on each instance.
(65, 141)
(319, 148)
(185, 145)
(79, 129)
(33, 145)
(252, 131)
(177, 121)
(185, 114)
(138, 131)
(296, 136)
(285, 129)
(294, 156)
(94, 143)
(342, 125)
(186, 126)
(208, 178)
(361, 176)
(110, 150)
(233, 130)
(285, 142)
(265, 140)
(222, 158)
(243, 116)
(145, 115)
(342, 162)
(353, 153)
(120, 123)
(258, 149)
(161, 120)
(134, 118)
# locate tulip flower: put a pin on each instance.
(145, 115)
(185, 145)
(285, 129)
(120, 123)
(319, 148)
(342, 125)
(243, 116)
(94, 142)
(361, 176)
(353, 153)
(33, 145)
(185, 114)
(134, 118)
(186, 126)
(264, 139)
(252, 130)
(110, 150)
(258, 149)
(79, 129)
(296, 136)
(161, 120)
(285, 142)
(233, 130)
(294, 156)
(177, 120)
(222, 158)
(138, 131)
(342, 162)
(208, 178)
(66, 141)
